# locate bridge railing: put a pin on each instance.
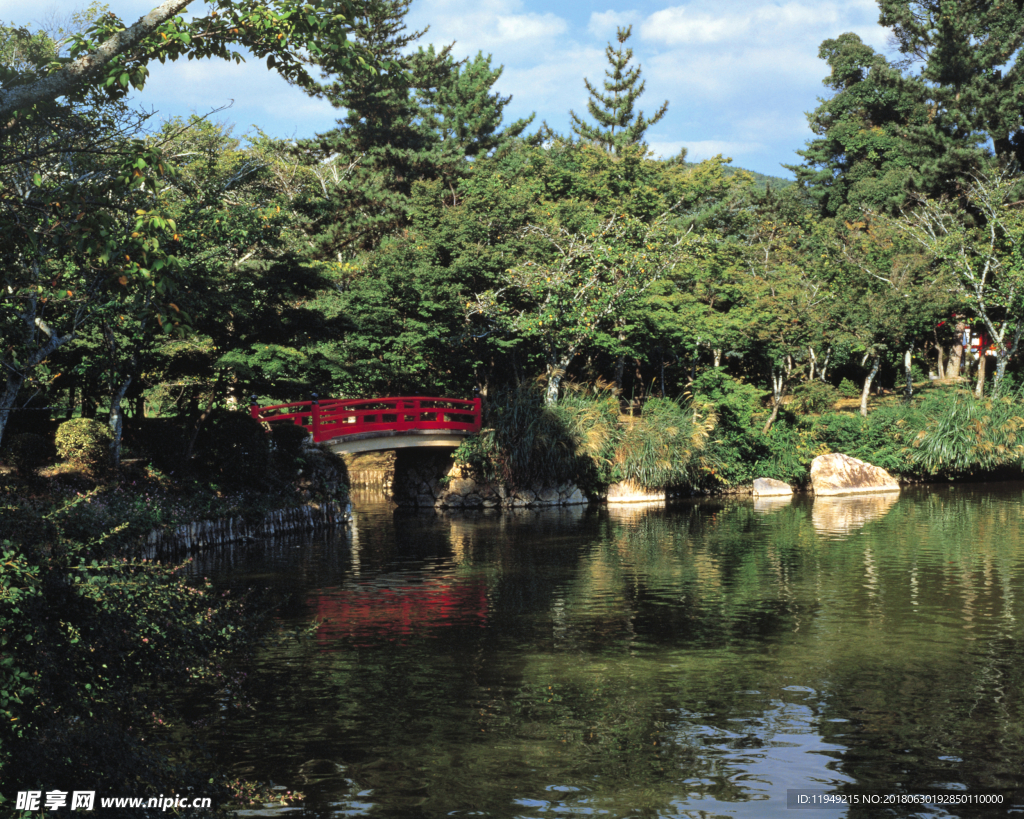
(335, 417)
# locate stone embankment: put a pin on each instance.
(206, 533)
(433, 480)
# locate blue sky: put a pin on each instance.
(739, 75)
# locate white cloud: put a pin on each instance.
(490, 26)
(605, 23)
(698, 150)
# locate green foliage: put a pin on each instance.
(617, 124)
(90, 641)
(161, 440)
(84, 443)
(815, 397)
(528, 441)
(667, 446)
(232, 449)
(965, 434)
(847, 389)
(27, 452)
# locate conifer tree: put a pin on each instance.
(417, 120)
(617, 123)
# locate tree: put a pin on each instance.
(976, 238)
(285, 32)
(972, 69)
(862, 155)
(617, 123)
(419, 120)
(564, 300)
(81, 222)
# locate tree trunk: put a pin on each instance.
(940, 354)
(908, 390)
(956, 356)
(778, 393)
(117, 421)
(14, 381)
(875, 364)
(718, 357)
(979, 387)
(1005, 354)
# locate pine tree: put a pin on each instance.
(971, 58)
(418, 120)
(381, 145)
(617, 124)
(462, 110)
(862, 155)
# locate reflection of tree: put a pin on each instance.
(656, 662)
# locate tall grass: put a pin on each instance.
(581, 438)
(667, 445)
(971, 434)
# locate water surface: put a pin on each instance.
(696, 661)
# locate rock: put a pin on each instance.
(424, 500)
(837, 474)
(527, 495)
(452, 500)
(473, 500)
(462, 486)
(548, 496)
(575, 498)
(490, 503)
(769, 487)
(631, 492)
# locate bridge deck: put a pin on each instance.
(364, 425)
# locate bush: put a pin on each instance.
(815, 397)
(288, 439)
(667, 446)
(233, 448)
(84, 443)
(160, 440)
(27, 452)
(847, 389)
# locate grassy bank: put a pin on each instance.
(713, 440)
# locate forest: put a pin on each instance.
(425, 246)
(161, 275)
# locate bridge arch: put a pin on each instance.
(372, 424)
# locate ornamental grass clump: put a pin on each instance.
(84, 443)
(971, 434)
(667, 446)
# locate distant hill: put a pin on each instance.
(762, 181)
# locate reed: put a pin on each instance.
(971, 434)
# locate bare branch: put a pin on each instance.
(65, 79)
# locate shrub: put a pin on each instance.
(84, 443)
(27, 452)
(232, 447)
(815, 397)
(847, 389)
(840, 431)
(288, 439)
(160, 440)
(961, 433)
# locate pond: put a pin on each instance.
(697, 661)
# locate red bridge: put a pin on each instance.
(362, 425)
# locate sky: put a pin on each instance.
(739, 75)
